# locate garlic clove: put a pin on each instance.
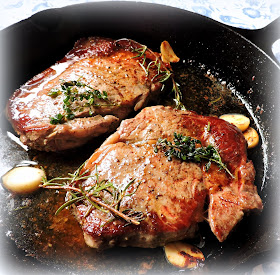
(23, 180)
(183, 255)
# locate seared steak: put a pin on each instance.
(171, 195)
(86, 94)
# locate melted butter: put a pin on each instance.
(31, 92)
(58, 68)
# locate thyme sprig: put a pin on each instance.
(187, 148)
(79, 92)
(102, 195)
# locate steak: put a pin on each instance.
(170, 194)
(86, 94)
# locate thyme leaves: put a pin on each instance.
(187, 148)
(57, 119)
(76, 96)
(102, 195)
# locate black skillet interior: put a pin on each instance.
(38, 42)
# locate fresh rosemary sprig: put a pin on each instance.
(141, 52)
(160, 75)
(102, 195)
(177, 96)
(79, 92)
(190, 149)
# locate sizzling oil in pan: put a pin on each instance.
(57, 241)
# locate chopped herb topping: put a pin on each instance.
(187, 148)
(54, 93)
(76, 92)
(57, 119)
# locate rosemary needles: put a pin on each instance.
(101, 195)
(161, 73)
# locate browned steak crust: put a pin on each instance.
(102, 65)
(172, 194)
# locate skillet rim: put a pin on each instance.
(149, 5)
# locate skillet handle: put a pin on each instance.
(264, 38)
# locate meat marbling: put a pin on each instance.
(171, 194)
(100, 63)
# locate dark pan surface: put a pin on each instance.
(213, 59)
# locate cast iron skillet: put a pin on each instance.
(34, 44)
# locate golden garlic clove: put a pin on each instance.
(240, 121)
(252, 137)
(183, 255)
(167, 53)
(23, 180)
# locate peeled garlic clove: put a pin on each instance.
(167, 53)
(183, 255)
(252, 137)
(23, 180)
(240, 121)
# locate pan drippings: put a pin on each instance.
(204, 93)
(31, 221)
